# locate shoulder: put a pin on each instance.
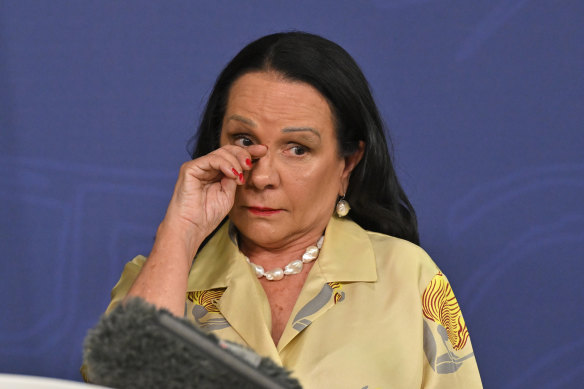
(400, 258)
(120, 290)
(391, 254)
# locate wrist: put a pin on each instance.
(177, 240)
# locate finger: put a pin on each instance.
(227, 164)
(257, 151)
(211, 168)
(245, 155)
(236, 156)
(236, 153)
(229, 188)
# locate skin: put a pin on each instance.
(277, 174)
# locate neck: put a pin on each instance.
(277, 255)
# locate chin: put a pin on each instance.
(261, 232)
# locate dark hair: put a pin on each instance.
(378, 202)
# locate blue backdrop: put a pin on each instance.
(484, 100)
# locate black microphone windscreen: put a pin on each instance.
(139, 346)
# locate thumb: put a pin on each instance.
(228, 186)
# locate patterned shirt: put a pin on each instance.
(374, 312)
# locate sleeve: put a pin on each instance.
(450, 360)
(129, 275)
(120, 290)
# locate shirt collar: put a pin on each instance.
(215, 262)
(346, 256)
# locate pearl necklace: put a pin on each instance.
(293, 267)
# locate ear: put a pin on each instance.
(350, 162)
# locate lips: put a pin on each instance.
(263, 211)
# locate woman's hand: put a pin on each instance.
(205, 191)
(203, 195)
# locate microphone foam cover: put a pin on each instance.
(129, 349)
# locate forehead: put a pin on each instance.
(266, 98)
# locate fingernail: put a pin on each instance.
(235, 171)
(241, 177)
(248, 162)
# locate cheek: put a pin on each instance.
(222, 139)
(319, 182)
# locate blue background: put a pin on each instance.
(484, 101)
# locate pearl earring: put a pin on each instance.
(342, 207)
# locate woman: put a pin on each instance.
(290, 136)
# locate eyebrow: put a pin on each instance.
(301, 129)
(239, 118)
(251, 123)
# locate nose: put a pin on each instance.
(264, 174)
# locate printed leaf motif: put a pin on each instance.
(440, 306)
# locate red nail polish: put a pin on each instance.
(248, 162)
(241, 177)
(234, 171)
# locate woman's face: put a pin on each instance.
(290, 193)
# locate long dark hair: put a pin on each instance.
(378, 202)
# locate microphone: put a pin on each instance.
(140, 346)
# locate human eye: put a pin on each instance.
(242, 140)
(298, 150)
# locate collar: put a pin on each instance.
(346, 256)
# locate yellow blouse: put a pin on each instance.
(375, 312)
